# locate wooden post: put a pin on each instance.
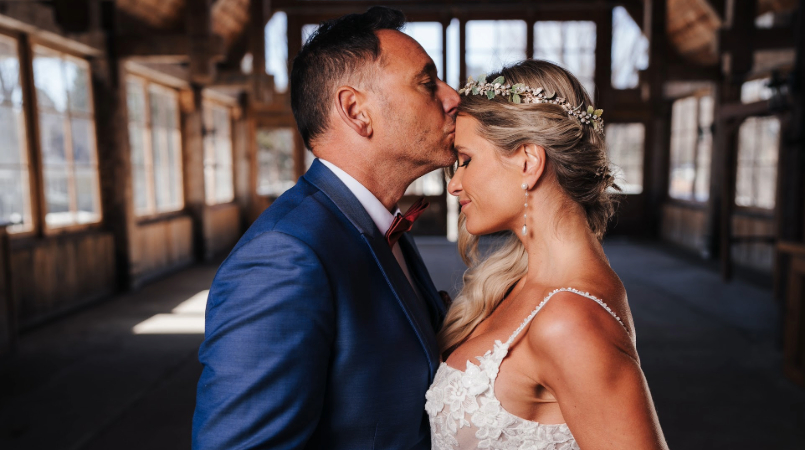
(8, 329)
(462, 50)
(193, 151)
(603, 58)
(741, 23)
(657, 136)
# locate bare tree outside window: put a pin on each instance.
(629, 50)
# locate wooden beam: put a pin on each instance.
(413, 7)
(762, 39)
(172, 48)
(739, 111)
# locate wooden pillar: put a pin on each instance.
(8, 328)
(114, 153)
(193, 152)
(658, 125)
(735, 64)
(603, 59)
(203, 48)
(294, 46)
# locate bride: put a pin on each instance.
(539, 345)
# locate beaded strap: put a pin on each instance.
(548, 297)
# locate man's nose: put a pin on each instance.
(450, 99)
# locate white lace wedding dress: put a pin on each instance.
(465, 414)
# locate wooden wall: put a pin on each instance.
(684, 225)
(757, 255)
(161, 246)
(51, 276)
(222, 229)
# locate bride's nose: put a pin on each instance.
(454, 186)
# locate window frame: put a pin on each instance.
(211, 99)
(152, 212)
(754, 210)
(30, 138)
(691, 200)
(28, 42)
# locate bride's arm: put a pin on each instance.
(587, 360)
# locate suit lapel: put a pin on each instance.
(326, 181)
(419, 273)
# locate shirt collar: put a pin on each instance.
(379, 214)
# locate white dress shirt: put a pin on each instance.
(379, 214)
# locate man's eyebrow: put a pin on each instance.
(429, 69)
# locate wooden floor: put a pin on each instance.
(710, 354)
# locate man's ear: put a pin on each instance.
(351, 109)
(532, 157)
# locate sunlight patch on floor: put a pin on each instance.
(186, 318)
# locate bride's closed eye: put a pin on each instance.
(466, 162)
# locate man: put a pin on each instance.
(320, 329)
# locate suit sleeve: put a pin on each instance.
(269, 331)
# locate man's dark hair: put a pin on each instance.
(338, 47)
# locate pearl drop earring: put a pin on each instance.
(525, 214)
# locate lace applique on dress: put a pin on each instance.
(465, 414)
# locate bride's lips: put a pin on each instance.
(464, 203)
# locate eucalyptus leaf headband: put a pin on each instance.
(520, 93)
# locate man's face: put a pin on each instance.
(417, 110)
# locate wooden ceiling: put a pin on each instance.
(692, 25)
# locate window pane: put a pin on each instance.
(492, 44)
(429, 184)
(629, 50)
(758, 149)
(429, 36)
(569, 44)
(275, 161)
(52, 135)
(83, 141)
(625, 147)
(14, 198)
(218, 155)
(10, 90)
(276, 36)
(86, 184)
(159, 144)
(49, 80)
(70, 169)
(135, 101)
(12, 135)
(307, 31)
(683, 144)
(77, 81)
(755, 90)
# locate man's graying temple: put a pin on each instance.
(139, 139)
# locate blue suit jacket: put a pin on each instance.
(314, 337)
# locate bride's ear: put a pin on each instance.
(352, 110)
(533, 163)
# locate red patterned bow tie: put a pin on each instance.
(403, 223)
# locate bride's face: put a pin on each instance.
(487, 185)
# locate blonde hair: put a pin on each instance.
(575, 158)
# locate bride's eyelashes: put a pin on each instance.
(466, 162)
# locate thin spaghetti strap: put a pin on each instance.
(548, 297)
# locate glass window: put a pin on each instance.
(275, 161)
(156, 147)
(67, 135)
(756, 90)
(218, 172)
(756, 179)
(429, 184)
(307, 30)
(453, 57)
(691, 148)
(571, 45)
(629, 50)
(491, 44)
(15, 194)
(429, 36)
(625, 144)
(276, 35)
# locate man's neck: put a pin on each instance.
(386, 187)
